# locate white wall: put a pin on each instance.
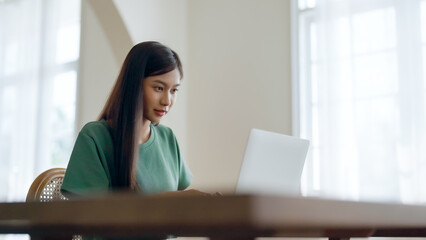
(98, 67)
(239, 78)
(236, 56)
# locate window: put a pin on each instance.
(39, 52)
(361, 97)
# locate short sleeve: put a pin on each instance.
(87, 171)
(185, 174)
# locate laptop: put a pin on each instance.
(272, 164)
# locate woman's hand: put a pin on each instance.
(196, 192)
(190, 192)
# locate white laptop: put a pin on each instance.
(272, 164)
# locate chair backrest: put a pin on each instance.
(47, 186)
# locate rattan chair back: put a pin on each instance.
(47, 186)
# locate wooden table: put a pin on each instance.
(227, 217)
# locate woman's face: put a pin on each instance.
(159, 95)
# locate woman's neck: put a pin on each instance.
(145, 131)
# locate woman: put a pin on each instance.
(127, 149)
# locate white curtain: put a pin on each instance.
(39, 50)
(361, 76)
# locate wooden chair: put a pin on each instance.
(47, 186)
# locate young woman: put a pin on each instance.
(127, 149)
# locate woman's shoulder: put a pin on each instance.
(96, 128)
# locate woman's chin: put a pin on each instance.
(155, 121)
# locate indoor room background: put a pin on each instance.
(348, 75)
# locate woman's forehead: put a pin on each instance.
(171, 78)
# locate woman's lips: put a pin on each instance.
(160, 113)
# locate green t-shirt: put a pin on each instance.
(160, 167)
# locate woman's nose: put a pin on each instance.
(166, 99)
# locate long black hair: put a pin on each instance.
(123, 110)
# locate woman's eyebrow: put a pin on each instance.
(160, 82)
(165, 84)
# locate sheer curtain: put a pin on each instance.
(39, 50)
(361, 73)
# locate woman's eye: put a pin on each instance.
(175, 90)
(159, 89)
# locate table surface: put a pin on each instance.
(238, 216)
